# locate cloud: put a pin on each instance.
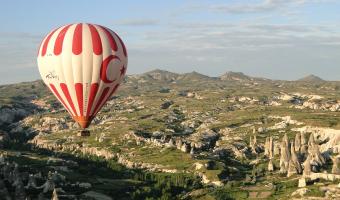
(265, 5)
(137, 22)
(201, 37)
(281, 51)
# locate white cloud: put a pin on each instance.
(265, 5)
(281, 51)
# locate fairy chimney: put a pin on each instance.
(335, 167)
(270, 165)
(271, 147)
(294, 164)
(297, 142)
(314, 153)
(266, 147)
(307, 169)
(284, 154)
(303, 145)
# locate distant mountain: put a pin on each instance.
(235, 76)
(157, 74)
(311, 78)
(193, 76)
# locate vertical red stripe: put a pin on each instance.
(96, 42)
(122, 43)
(112, 41)
(58, 46)
(77, 39)
(101, 100)
(55, 91)
(93, 93)
(104, 100)
(68, 96)
(114, 90)
(44, 48)
(79, 92)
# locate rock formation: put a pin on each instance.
(307, 167)
(269, 147)
(270, 165)
(192, 151)
(294, 164)
(185, 148)
(179, 144)
(303, 145)
(335, 167)
(311, 140)
(266, 147)
(302, 182)
(171, 143)
(317, 159)
(55, 195)
(297, 142)
(255, 149)
(284, 154)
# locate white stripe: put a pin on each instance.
(83, 68)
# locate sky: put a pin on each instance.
(278, 39)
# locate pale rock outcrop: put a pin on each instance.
(204, 137)
(317, 159)
(269, 147)
(302, 182)
(277, 149)
(297, 142)
(335, 167)
(307, 169)
(192, 151)
(55, 195)
(300, 192)
(171, 143)
(303, 145)
(255, 149)
(179, 144)
(294, 164)
(284, 154)
(185, 148)
(266, 147)
(270, 165)
(330, 138)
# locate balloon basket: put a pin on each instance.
(84, 133)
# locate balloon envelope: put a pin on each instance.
(83, 65)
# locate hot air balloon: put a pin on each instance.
(83, 65)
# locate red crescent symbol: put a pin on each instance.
(103, 68)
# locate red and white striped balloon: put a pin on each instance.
(83, 65)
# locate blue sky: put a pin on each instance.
(279, 39)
